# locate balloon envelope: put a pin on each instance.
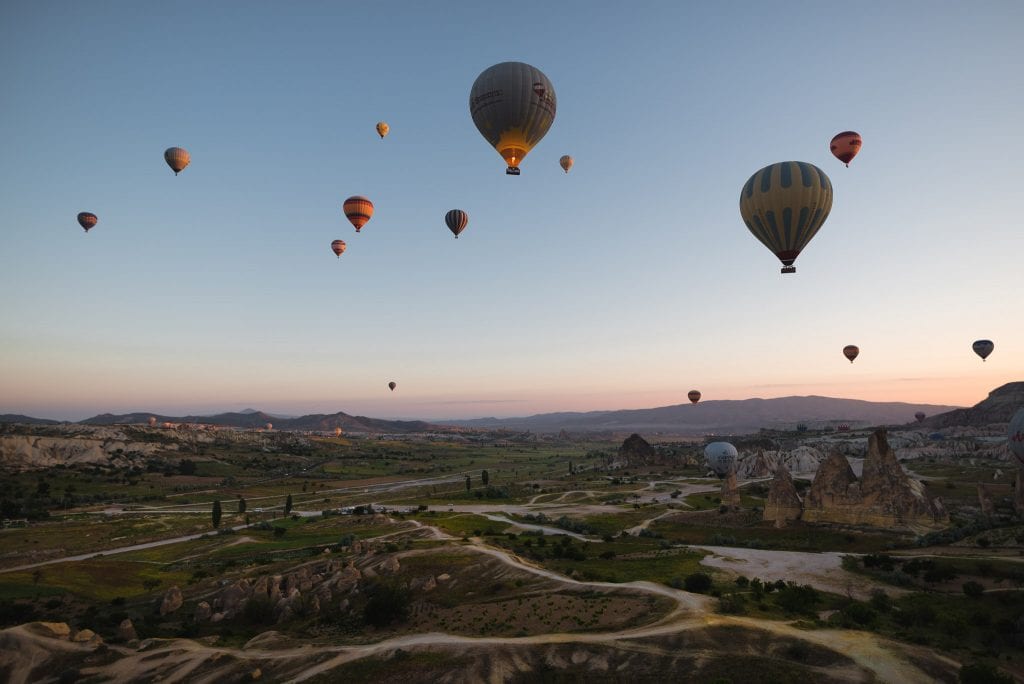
(1015, 436)
(456, 220)
(87, 220)
(152, 421)
(269, 426)
(920, 416)
(177, 158)
(513, 105)
(382, 129)
(566, 163)
(851, 351)
(337, 432)
(358, 210)
(392, 385)
(784, 205)
(983, 348)
(693, 396)
(845, 146)
(338, 247)
(720, 457)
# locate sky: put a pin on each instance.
(623, 284)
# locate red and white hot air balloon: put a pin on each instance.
(845, 146)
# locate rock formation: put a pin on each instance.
(1018, 493)
(172, 601)
(636, 451)
(998, 407)
(783, 500)
(730, 489)
(126, 631)
(885, 496)
(985, 501)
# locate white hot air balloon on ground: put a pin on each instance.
(720, 457)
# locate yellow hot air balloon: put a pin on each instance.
(382, 129)
(784, 205)
(177, 158)
(513, 105)
(565, 162)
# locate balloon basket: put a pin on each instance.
(789, 269)
(512, 171)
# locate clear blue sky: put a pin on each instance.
(624, 284)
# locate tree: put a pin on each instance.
(485, 478)
(469, 485)
(698, 582)
(288, 505)
(187, 467)
(241, 505)
(216, 513)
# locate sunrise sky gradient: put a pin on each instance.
(621, 285)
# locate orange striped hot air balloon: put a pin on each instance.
(87, 220)
(358, 210)
(566, 162)
(845, 146)
(693, 396)
(456, 220)
(851, 351)
(338, 247)
(177, 158)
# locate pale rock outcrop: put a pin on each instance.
(51, 630)
(31, 452)
(87, 636)
(783, 503)
(832, 485)
(126, 631)
(391, 566)
(730, 489)
(172, 601)
(203, 611)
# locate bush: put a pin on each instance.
(794, 599)
(983, 673)
(388, 604)
(973, 589)
(698, 582)
(859, 614)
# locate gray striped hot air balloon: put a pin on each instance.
(784, 205)
(513, 105)
(456, 220)
(177, 158)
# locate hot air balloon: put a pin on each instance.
(845, 146)
(513, 105)
(565, 162)
(337, 432)
(358, 210)
(152, 421)
(693, 396)
(720, 457)
(338, 247)
(851, 351)
(456, 220)
(87, 220)
(269, 426)
(1015, 436)
(382, 129)
(920, 416)
(784, 205)
(983, 348)
(392, 385)
(177, 158)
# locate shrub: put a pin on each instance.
(698, 582)
(388, 604)
(983, 673)
(973, 589)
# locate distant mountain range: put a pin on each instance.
(715, 416)
(722, 416)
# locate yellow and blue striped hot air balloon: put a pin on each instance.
(784, 205)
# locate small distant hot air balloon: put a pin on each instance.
(456, 220)
(565, 162)
(920, 416)
(1015, 436)
(358, 210)
(784, 205)
(693, 396)
(845, 146)
(87, 220)
(513, 106)
(337, 432)
(392, 385)
(269, 426)
(338, 247)
(983, 348)
(382, 129)
(177, 158)
(720, 457)
(851, 351)
(152, 421)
